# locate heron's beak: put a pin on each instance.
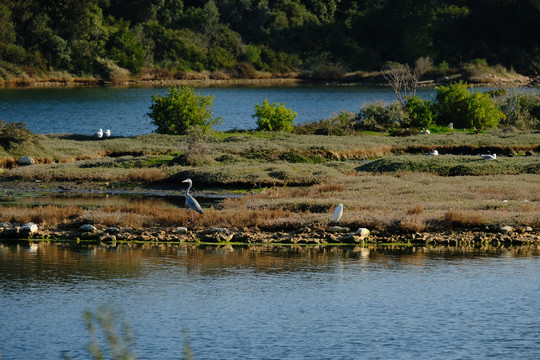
(185, 181)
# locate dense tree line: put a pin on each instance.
(94, 36)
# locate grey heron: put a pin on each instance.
(338, 213)
(191, 202)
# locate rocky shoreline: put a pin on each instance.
(334, 235)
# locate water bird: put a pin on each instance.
(489, 157)
(99, 134)
(191, 202)
(338, 213)
(108, 133)
(433, 153)
(450, 125)
(425, 131)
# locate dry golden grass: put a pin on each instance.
(463, 218)
(44, 215)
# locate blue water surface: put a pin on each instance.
(123, 109)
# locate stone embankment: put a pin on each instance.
(505, 235)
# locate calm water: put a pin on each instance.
(123, 110)
(275, 303)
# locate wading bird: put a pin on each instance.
(191, 202)
(108, 133)
(489, 157)
(433, 153)
(99, 134)
(337, 213)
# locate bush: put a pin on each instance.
(455, 104)
(182, 110)
(378, 117)
(420, 112)
(522, 109)
(274, 117)
(13, 133)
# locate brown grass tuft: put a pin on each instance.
(416, 210)
(465, 218)
(412, 224)
(147, 175)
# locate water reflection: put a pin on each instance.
(53, 262)
(97, 200)
(274, 302)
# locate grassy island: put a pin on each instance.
(282, 187)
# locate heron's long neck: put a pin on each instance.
(188, 188)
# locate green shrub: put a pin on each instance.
(420, 112)
(13, 133)
(182, 110)
(455, 104)
(380, 117)
(274, 117)
(522, 109)
(338, 125)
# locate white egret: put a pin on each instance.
(191, 202)
(108, 133)
(489, 157)
(337, 213)
(433, 153)
(99, 134)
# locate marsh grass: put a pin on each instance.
(383, 182)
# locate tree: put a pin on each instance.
(402, 80)
(182, 110)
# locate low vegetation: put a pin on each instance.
(292, 180)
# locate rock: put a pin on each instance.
(182, 230)
(5, 226)
(303, 230)
(528, 229)
(112, 230)
(215, 234)
(506, 229)
(87, 228)
(29, 228)
(363, 233)
(349, 239)
(26, 160)
(339, 229)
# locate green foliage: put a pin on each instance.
(274, 117)
(12, 134)
(205, 35)
(420, 112)
(338, 125)
(522, 109)
(380, 117)
(182, 110)
(466, 110)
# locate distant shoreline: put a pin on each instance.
(203, 79)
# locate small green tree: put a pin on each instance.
(466, 110)
(14, 133)
(420, 113)
(181, 110)
(274, 117)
